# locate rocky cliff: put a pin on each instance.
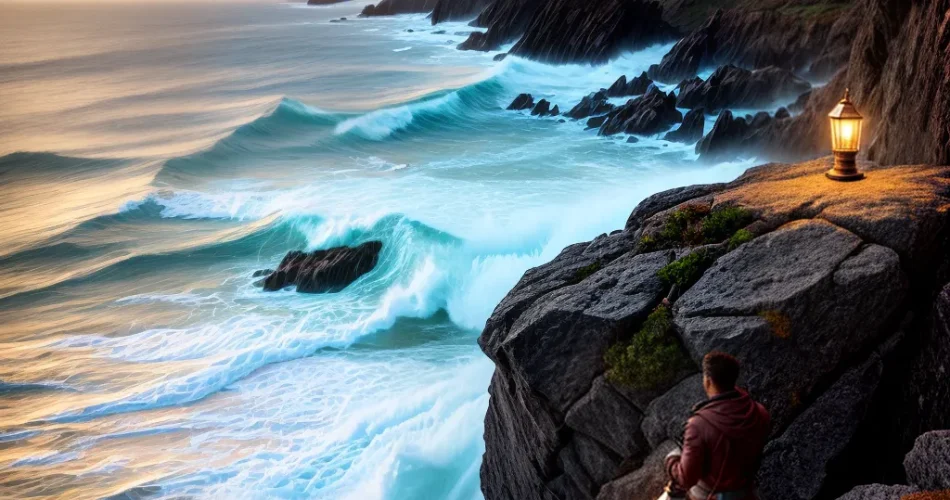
(829, 293)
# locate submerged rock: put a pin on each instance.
(324, 271)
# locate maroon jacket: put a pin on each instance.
(723, 443)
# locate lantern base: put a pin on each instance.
(845, 169)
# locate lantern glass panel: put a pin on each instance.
(846, 134)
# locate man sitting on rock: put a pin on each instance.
(724, 438)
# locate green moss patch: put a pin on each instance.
(694, 225)
(686, 271)
(651, 358)
(585, 272)
(741, 237)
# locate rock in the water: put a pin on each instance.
(731, 87)
(928, 463)
(636, 86)
(632, 139)
(593, 104)
(596, 121)
(262, 272)
(649, 114)
(724, 140)
(523, 101)
(324, 271)
(761, 303)
(456, 10)
(645, 483)
(592, 31)
(691, 130)
(393, 7)
(500, 57)
(543, 108)
(796, 464)
(879, 492)
(555, 111)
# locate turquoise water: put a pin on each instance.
(155, 155)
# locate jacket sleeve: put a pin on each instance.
(687, 469)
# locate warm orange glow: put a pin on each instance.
(846, 134)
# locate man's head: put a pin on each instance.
(720, 372)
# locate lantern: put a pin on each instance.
(845, 140)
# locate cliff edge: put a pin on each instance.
(833, 295)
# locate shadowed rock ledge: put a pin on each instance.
(829, 293)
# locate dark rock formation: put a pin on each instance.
(324, 271)
(500, 57)
(799, 105)
(928, 463)
(901, 52)
(725, 139)
(651, 113)
(506, 21)
(523, 101)
(830, 307)
(636, 86)
(761, 34)
(692, 128)
(543, 108)
(555, 111)
(455, 10)
(879, 492)
(324, 2)
(393, 7)
(732, 87)
(594, 104)
(782, 113)
(566, 31)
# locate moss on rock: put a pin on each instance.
(651, 358)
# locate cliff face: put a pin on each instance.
(899, 75)
(827, 292)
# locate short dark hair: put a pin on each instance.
(722, 369)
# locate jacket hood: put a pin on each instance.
(733, 413)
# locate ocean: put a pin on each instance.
(153, 156)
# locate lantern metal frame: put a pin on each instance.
(845, 167)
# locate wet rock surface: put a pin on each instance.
(691, 130)
(732, 87)
(649, 114)
(324, 271)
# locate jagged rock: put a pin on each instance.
(632, 139)
(543, 108)
(691, 130)
(555, 111)
(645, 483)
(506, 20)
(262, 272)
(757, 38)
(666, 200)
(760, 120)
(730, 86)
(523, 101)
(649, 114)
(596, 121)
(879, 492)
(928, 463)
(764, 294)
(324, 271)
(393, 7)
(724, 140)
(456, 10)
(609, 418)
(782, 113)
(593, 104)
(500, 57)
(636, 86)
(567, 31)
(796, 464)
(666, 415)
